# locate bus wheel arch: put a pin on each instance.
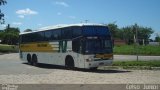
(35, 60)
(29, 59)
(69, 61)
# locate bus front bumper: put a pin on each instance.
(93, 64)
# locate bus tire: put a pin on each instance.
(29, 59)
(69, 62)
(35, 60)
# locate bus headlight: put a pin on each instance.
(88, 60)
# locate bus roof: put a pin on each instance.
(61, 26)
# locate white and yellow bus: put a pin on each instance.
(75, 45)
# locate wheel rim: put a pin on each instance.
(35, 63)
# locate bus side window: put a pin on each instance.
(48, 35)
(35, 36)
(20, 39)
(77, 31)
(67, 33)
(29, 37)
(39, 36)
(76, 46)
(56, 34)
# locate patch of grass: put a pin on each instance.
(8, 48)
(141, 50)
(138, 67)
(137, 63)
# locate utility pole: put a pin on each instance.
(8, 26)
(86, 21)
(136, 41)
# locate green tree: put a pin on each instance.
(10, 36)
(157, 38)
(2, 2)
(128, 35)
(27, 30)
(120, 34)
(113, 29)
(143, 33)
(1, 34)
(116, 32)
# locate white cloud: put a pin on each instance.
(17, 23)
(26, 11)
(59, 13)
(62, 4)
(3, 25)
(21, 16)
(72, 17)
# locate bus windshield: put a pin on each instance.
(95, 31)
(95, 46)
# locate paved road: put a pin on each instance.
(11, 64)
(116, 57)
(13, 71)
(134, 57)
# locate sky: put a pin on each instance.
(34, 14)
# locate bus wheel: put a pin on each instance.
(35, 60)
(69, 62)
(29, 59)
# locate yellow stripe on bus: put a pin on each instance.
(39, 47)
(104, 56)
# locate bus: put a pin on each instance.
(75, 45)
